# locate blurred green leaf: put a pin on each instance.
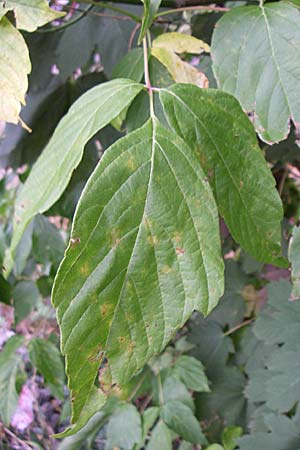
(9, 364)
(46, 358)
(191, 372)
(124, 428)
(181, 419)
(160, 438)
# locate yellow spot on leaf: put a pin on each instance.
(84, 269)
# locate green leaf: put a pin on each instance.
(174, 389)
(191, 372)
(140, 227)
(78, 42)
(47, 360)
(15, 66)
(139, 112)
(215, 447)
(26, 297)
(23, 251)
(229, 435)
(52, 171)
(47, 243)
(211, 346)
(226, 399)
(131, 66)
(124, 428)
(232, 307)
(95, 401)
(214, 125)
(148, 419)
(294, 258)
(31, 14)
(160, 438)
(283, 379)
(86, 435)
(150, 9)
(9, 363)
(283, 434)
(255, 55)
(5, 291)
(271, 325)
(181, 419)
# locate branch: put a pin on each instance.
(174, 4)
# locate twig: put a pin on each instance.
(145, 403)
(137, 387)
(282, 180)
(69, 23)
(110, 16)
(193, 8)
(132, 35)
(122, 11)
(14, 436)
(237, 327)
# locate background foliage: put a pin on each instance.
(229, 380)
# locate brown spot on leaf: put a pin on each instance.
(180, 251)
(121, 339)
(241, 184)
(74, 241)
(104, 309)
(166, 269)
(177, 237)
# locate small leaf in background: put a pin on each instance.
(294, 258)
(26, 297)
(103, 304)
(232, 307)
(160, 438)
(15, 66)
(181, 419)
(181, 43)
(282, 433)
(165, 49)
(51, 173)
(229, 435)
(282, 385)
(184, 445)
(191, 372)
(215, 447)
(131, 66)
(148, 419)
(173, 389)
(47, 243)
(46, 358)
(269, 92)
(5, 291)
(9, 364)
(183, 345)
(243, 185)
(139, 112)
(270, 325)
(23, 251)
(124, 428)
(31, 14)
(150, 9)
